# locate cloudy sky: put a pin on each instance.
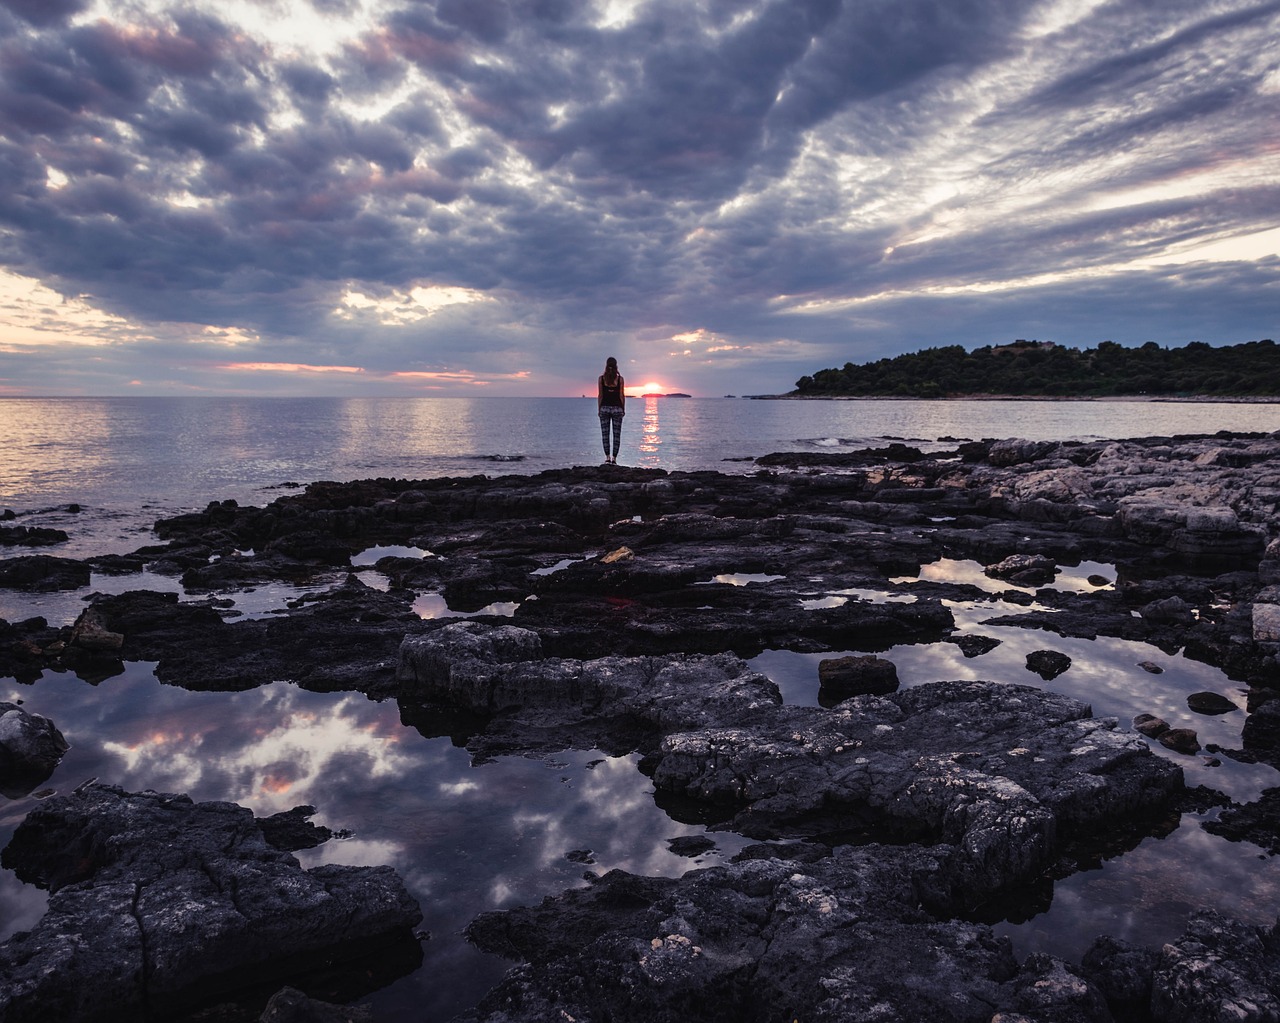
(490, 196)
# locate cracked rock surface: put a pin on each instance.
(154, 898)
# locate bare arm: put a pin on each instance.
(622, 393)
(599, 393)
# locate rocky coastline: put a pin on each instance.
(888, 822)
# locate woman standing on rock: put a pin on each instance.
(611, 404)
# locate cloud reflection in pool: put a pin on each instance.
(465, 837)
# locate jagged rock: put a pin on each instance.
(1261, 733)
(291, 830)
(1269, 566)
(1151, 668)
(1257, 822)
(1047, 990)
(1180, 740)
(1033, 765)
(842, 677)
(828, 938)
(1122, 971)
(551, 703)
(1048, 664)
(30, 748)
(1210, 703)
(42, 573)
(30, 536)
(1219, 970)
(289, 1005)
(1024, 569)
(1016, 451)
(1170, 609)
(1150, 725)
(90, 633)
(1266, 623)
(975, 646)
(691, 845)
(155, 901)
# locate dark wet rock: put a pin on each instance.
(1257, 822)
(1098, 580)
(842, 677)
(1048, 664)
(91, 633)
(1210, 703)
(1261, 733)
(291, 830)
(585, 856)
(156, 901)
(1122, 971)
(30, 748)
(1024, 569)
(1150, 725)
(537, 703)
(691, 845)
(1151, 668)
(975, 646)
(27, 646)
(837, 937)
(893, 766)
(1016, 451)
(343, 639)
(1220, 969)
(116, 564)
(1180, 740)
(1170, 609)
(289, 1005)
(30, 536)
(42, 573)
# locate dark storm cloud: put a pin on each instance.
(44, 12)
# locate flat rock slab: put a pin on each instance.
(156, 901)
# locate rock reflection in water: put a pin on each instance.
(465, 838)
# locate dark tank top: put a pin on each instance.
(612, 395)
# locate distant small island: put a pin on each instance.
(670, 394)
(1046, 369)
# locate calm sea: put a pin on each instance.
(466, 837)
(137, 459)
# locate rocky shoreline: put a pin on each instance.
(888, 821)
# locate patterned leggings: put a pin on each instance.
(611, 414)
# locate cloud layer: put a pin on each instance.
(489, 196)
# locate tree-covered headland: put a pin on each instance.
(1042, 368)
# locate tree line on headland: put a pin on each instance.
(1043, 368)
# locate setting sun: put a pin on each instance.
(644, 389)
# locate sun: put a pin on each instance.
(647, 389)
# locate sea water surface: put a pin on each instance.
(471, 837)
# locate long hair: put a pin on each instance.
(611, 370)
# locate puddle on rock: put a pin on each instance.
(372, 555)
(1069, 578)
(433, 605)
